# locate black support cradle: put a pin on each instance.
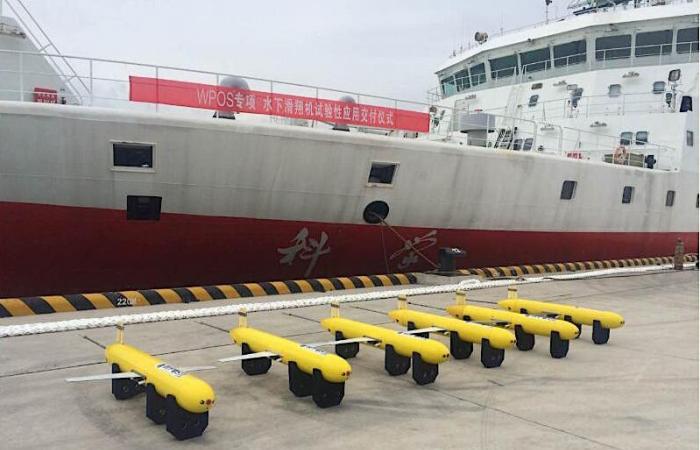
(326, 394)
(600, 334)
(184, 424)
(558, 347)
(491, 357)
(346, 351)
(254, 366)
(124, 388)
(423, 372)
(524, 341)
(394, 363)
(300, 383)
(460, 349)
(156, 405)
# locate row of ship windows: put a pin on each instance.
(650, 43)
(568, 191)
(148, 207)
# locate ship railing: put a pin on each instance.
(107, 85)
(523, 134)
(615, 103)
(619, 57)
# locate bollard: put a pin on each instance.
(678, 255)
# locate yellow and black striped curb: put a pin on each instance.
(532, 269)
(24, 306)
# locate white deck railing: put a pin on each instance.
(105, 83)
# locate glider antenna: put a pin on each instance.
(403, 301)
(461, 298)
(243, 318)
(120, 333)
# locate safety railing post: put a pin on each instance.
(157, 89)
(21, 76)
(92, 97)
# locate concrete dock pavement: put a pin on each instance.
(638, 391)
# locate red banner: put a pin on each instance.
(220, 98)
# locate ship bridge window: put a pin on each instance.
(527, 144)
(687, 40)
(642, 138)
(382, 173)
(533, 100)
(626, 138)
(570, 53)
(613, 47)
(504, 67)
(143, 207)
(129, 154)
(627, 194)
(448, 86)
(658, 87)
(689, 138)
(536, 86)
(614, 90)
(535, 60)
(568, 189)
(478, 74)
(670, 197)
(462, 80)
(653, 43)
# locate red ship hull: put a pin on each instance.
(47, 249)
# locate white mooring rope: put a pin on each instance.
(163, 316)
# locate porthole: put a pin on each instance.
(376, 212)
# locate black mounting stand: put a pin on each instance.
(600, 334)
(394, 363)
(491, 357)
(578, 325)
(300, 383)
(460, 349)
(326, 394)
(558, 347)
(184, 424)
(156, 408)
(524, 341)
(124, 388)
(255, 366)
(412, 326)
(346, 351)
(423, 372)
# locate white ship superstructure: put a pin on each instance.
(572, 140)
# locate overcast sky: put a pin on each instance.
(384, 47)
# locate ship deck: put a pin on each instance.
(638, 391)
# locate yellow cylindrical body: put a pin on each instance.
(432, 352)
(190, 392)
(584, 316)
(469, 332)
(333, 368)
(534, 325)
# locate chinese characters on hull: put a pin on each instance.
(306, 249)
(407, 253)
